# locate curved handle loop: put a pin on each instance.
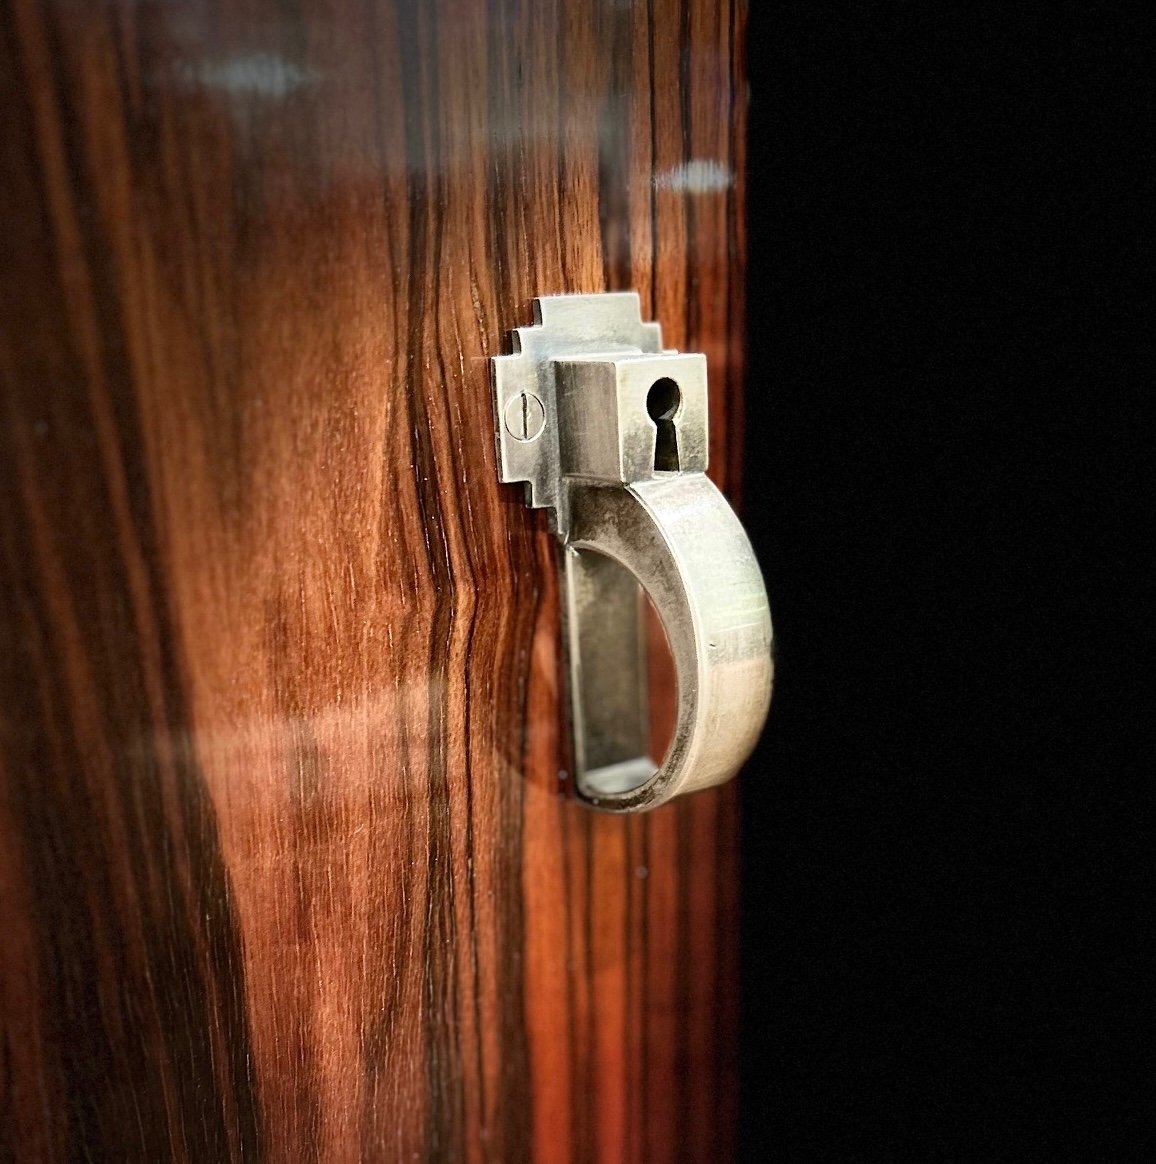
(679, 539)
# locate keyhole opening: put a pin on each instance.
(662, 403)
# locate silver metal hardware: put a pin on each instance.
(609, 432)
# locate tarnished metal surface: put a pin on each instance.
(610, 432)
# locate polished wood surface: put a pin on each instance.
(286, 868)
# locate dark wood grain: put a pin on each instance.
(285, 871)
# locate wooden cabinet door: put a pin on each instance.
(287, 868)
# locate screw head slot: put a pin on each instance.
(525, 417)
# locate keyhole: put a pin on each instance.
(662, 402)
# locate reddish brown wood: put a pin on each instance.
(284, 869)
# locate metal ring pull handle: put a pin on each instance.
(610, 433)
(682, 542)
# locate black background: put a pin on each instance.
(948, 329)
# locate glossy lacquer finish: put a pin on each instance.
(285, 872)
